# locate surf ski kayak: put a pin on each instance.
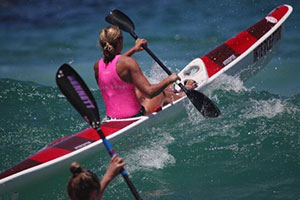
(246, 54)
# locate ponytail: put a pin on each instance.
(75, 169)
(109, 39)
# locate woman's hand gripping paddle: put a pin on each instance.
(203, 104)
(78, 94)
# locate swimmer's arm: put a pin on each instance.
(113, 170)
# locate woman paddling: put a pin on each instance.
(118, 76)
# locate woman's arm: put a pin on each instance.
(129, 71)
(144, 86)
(137, 47)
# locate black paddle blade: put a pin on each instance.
(203, 104)
(121, 20)
(78, 94)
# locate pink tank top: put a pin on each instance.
(119, 97)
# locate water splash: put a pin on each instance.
(156, 74)
(264, 108)
(154, 155)
(228, 83)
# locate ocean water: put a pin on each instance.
(252, 151)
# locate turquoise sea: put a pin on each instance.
(252, 151)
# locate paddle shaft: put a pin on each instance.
(133, 34)
(123, 172)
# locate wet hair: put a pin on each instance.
(109, 39)
(82, 183)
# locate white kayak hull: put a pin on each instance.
(244, 54)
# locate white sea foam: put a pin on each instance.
(224, 82)
(156, 74)
(228, 83)
(264, 108)
(155, 155)
(194, 115)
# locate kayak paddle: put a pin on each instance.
(203, 104)
(79, 95)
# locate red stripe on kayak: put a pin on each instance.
(90, 134)
(221, 53)
(49, 154)
(62, 147)
(109, 128)
(59, 140)
(263, 26)
(219, 58)
(26, 164)
(241, 42)
(232, 48)
(279, 12)
(82, 139)
(260, 28)
(73, 143)
(211, 67)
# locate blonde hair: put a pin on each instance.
(109, 39)
(82, 183)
